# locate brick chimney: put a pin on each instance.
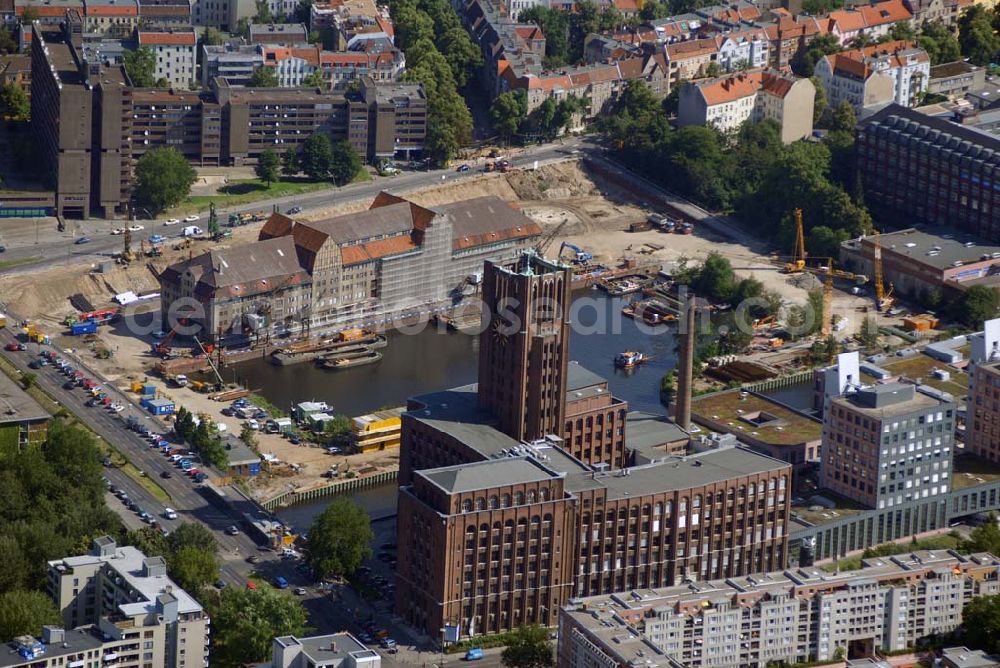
(685, 363)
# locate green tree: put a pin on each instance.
(976, 37)
(339, 539)
(190, 534)
(507, 113)
(140, 65)
(825, 241)
(817, 7)
(163, 178)
(28, 380)
(984, 538)
(528, 648)
(262, 12)
(315, 156)
(899, 30)
(315, 79)
(25, 612)
(976, 305)
(716, 280)
(249, 436)
(212, 37)
(868, 334)
(939, 42)
(148, 540)
(981, 622)
(290, 162)
(8, 44)
(555, 26)
(29, 16)
(714, 69)
(820, 102)
(264, 77)
(843, 118)
(245, 621)
(345, 163)
(824, 44)
(243, 27)
(268, 167)
(192, 568)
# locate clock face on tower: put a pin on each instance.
(500, 329)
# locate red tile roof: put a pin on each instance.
(186, 38)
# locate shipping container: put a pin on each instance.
(81, 328)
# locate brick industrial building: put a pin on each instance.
(527, 489)
(90, 124)
(356, 270)
(778, 618)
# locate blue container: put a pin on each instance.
(80, 328)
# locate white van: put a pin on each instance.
(192, 231)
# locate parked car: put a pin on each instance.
(171, 221)
(82, 240)
(136, 228)
(15, 346)
(463, 168)
(220, 584)
(233, 530)
(474, 654)
(253, 559)
(300, 591)
(170, 513)
(280, 582)
(294, 210)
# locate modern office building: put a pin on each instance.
(91, 124)
(357, 270)
(142, 616)
(920, 169)
(536, 485)
(888, 444)
(781, 617)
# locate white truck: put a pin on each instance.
(192, 231)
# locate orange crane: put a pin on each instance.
(883, 297)
(798, 262)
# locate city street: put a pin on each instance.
(39, 244)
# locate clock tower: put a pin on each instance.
(524, 347)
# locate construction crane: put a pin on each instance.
(829, 273)
(127, 245)
(546, 241)
(883, 297)
(798, 262)
(208, 357)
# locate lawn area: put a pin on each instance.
(921, 366)
(246, 191)
(754, 417)
(970, 470)
(8, 264)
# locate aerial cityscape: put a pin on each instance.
(516, 333)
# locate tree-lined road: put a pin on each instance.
(55, 248)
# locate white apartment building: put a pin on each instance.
(175, 52)
(803, 614)
(728, 102)
(747, 50)
(139, 616)
(895, 71)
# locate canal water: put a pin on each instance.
(432, 360)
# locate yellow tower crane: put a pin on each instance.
(883, 297)
(798, 262)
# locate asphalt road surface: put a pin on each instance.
(47, 247)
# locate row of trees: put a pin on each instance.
(441, 56)
(317, 158)
(565, 32)
(190, 550)
(751, 173)
(51, 505)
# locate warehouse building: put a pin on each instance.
(358, 270)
